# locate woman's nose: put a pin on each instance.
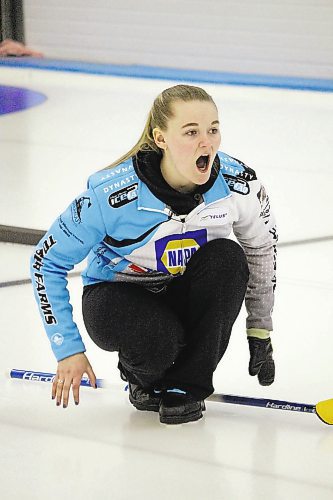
(204, 141)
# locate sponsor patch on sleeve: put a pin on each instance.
(263, 198)
(124, 196)
(237, 184)
(39, 284)
(77, 208)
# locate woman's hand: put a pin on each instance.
(69, 373)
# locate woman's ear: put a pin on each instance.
(159, 138)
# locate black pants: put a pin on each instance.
(177, 337)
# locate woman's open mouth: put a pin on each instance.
(203, 163)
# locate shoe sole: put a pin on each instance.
(183, 419)
(143, 407)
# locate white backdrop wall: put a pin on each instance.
(277, 37)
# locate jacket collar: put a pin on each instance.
(218, 191)
(148, 201)
(155, 194)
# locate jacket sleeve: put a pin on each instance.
(256, 231)
(67, 243)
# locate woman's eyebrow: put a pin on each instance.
(197, 124)
(190, 125)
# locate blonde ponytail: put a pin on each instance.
(159, 115)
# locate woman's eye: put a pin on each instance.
(191, 132)
(214, 130)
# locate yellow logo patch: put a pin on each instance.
(177, 253)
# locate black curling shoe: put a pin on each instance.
(144, 399)
(178, 407)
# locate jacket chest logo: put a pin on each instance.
(173, 252)
(213, 217)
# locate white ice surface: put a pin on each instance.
(104, 448)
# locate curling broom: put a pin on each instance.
(323, 409)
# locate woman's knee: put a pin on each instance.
(223, 246)
(222, 254)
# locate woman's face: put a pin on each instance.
(189, 144)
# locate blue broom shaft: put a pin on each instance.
(275, 404)
(46, 377)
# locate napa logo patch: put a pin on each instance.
(173, 252)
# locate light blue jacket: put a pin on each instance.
(130, 235)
